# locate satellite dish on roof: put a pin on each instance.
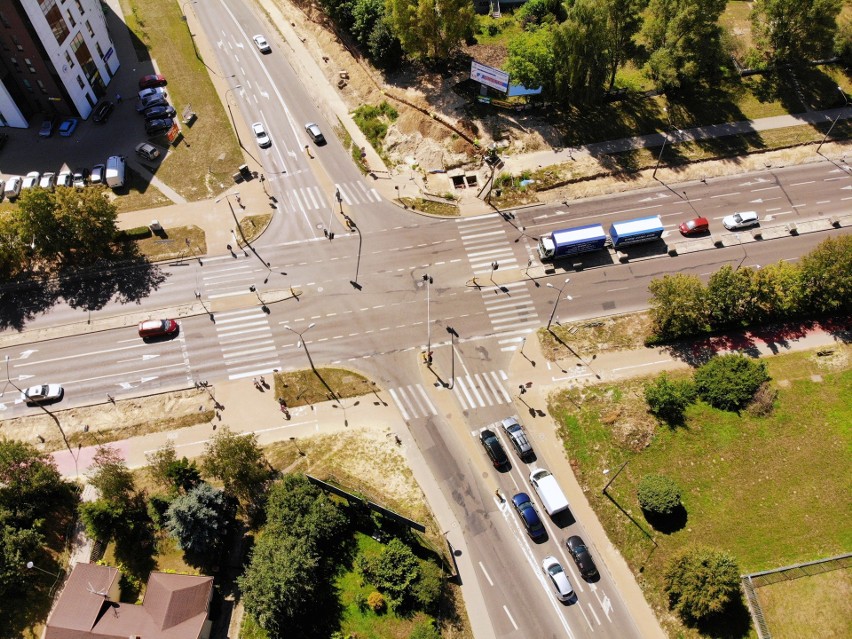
(102, 593)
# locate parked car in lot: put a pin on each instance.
(159, 112)
(147, 93)
(48, 181)
(157, 328)
(493, 448)
(262, 44)
(698, 226)
(553, 569)
(157, 127)
(46, 128)
(315, 133)
(740, 220)
(518, 437)
(13, 187)
(529, 516)
(81, 177)
(97, 175)
(147, 151)
(582, 557)
(153, 80)
(30, 180)
(102, 112)
(42, 393)
(67, 128)
(263, 140)
(150, 101)
(65, 178)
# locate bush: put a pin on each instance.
(701, 582)
(763, 402)
(668, 399)
(427, 591)
(729, 382)
(394, 571)
(425, 630)
(136, 233)
(376, 602)
(658, 494)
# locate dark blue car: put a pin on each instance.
(528, 515)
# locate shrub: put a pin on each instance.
(729, 382)
(701, 582)
(360, 601)
(658, 494)
(376, 602)
(668, 399)
(427, 591)
(763, 402)
(425, 630)
(136, 233)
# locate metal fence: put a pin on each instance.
(786, 573)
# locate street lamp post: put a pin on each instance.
(231, 113)
(558, 297)
(301, 343)
(827, 133)
(453, 336)
(428, 279)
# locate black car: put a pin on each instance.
(151, 101)
(160, 112)
(155, 127)
(494, 449)
(582, 557)
(102, 112)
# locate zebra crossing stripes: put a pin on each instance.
(245, 339)
(412, 401)
(512, 313)
(313, 198)
(481, 389)
(232, 278)
(485, 241)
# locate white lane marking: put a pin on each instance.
(624, 368)
(509, 615)
(485, 572)
(725, 194)
(404, 413)
(803, 183)
(426, 399)
(585, 616)
(594, 614)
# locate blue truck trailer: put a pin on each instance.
(573, 241)
(643, 229)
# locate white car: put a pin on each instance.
(741, 220)
(13, 187)
(48, 181)
(30, 180)
(263, 140)
(42, 393)
(65, 178)
(553, 569)
(147, 93)
(262, 44)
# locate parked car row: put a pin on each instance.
(154, 107)
(527, 512)
(735, 222)
(66, 127)
(76, 178)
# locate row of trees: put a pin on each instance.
(820, 283)
(55, 228)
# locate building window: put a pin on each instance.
(69, 61)
(15, 64)
(89, 27)
(80, 82)
(55, 20)
(41, 86)
(27, 85)
(17, 43)
(80, 7)
(4, 20)
(98, 49)
(71, 20)
(29, 64)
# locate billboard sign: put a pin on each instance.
(489, 76)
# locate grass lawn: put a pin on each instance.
(747, 483)
(202, 165)
(827, 596)
(172, 244)
(309, 386)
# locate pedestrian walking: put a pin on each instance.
(118, 98)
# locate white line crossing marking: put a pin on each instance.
(421, 410)
(473, 389)
(495, 391)
(399, 405)
(426, 399)
(486, 395)
(460, 386)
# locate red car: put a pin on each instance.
(157, 328)
(698, 226)
(151, 81)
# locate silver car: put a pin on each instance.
(263, 140)
(262, 44)
(515, 432)
(741, 220)
(553, 569)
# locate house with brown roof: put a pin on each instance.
(174, 607)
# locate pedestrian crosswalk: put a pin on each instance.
(313, 198)
(485, 241)
(227, 278)
(412, 401)
(481, 389)
(512, 313)
(246, 341)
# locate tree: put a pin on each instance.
(668, 399)
(429, 586)
(678, 306)
(729, 293)
(701, 582)
(684, 39)
(430, 29)
(531, 60)
(17, 547)
(365, 15)
(199, 521)
(103, 519)
(383, 45)
(280, 585)
(538, 12)
(111, 477)
(31, 486)
(826, 277)
(729, 382)
(795, 30)
(658, 494)
(623, 18)
(178, 475)
(578, 46)
(238, 462)
(394, 571)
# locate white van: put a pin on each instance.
(549, 492)
(13, 187)
(115, 169)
